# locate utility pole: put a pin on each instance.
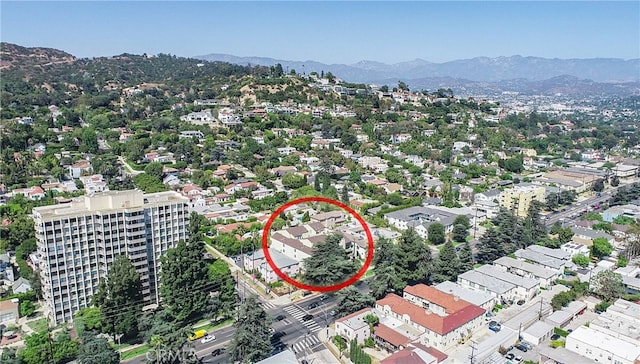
(472, 356)
(540, 312)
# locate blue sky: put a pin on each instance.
(330, 32)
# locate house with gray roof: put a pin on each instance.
(476, 281)
(526, 288)
(419, 218)
(257, 261)
(543, 260)
(478, 298)
(545, 276)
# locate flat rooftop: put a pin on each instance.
(528, 283)
(487, 282)
(535, 270)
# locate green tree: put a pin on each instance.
(459, 233)
(164, 334)
(329, 263)
(96, 350)
(306, 217)
(345, 195)
(183, 280)
(562, 299)
(385, 280)
(226, 299)
(601, 247)
(447, 264)
(462, 220)
(251, 338)
(615, 181)
(490, 247)
(293, 181)
(350, 300)
(36, 349)
(435, 233)
(119, 297)
(154, 169)
(412, 258)
(466, 258)
(581, 260)
(598, 185)
(565, 235)
(27, 308)
(88, 319)
(9, 356)
(88, 141)
(608, 285)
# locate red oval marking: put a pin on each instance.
(286, 278)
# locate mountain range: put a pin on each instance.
(514, 73)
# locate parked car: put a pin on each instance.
(527, 345)
(280, 317)
(555, 337)
(277, 335)
(333, 312)
(518, 358)
(509, 356)
(520, 302)
(307, 317)
(522, 348)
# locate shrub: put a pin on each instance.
(557, 344)
(561, 332)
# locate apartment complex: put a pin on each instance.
(519, 197)
(78, 241)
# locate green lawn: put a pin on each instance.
(210, 327)
(125, 355)
(119, 346)
(38, 325)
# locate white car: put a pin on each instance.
(208, 339)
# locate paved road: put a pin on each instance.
(300, 336)
(574, 210)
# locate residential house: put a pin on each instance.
(444, 319)
(80, 167)
(256, 261)
(586, 236)
(546, 277)
(94, 183)
(329, 219)
(478, 298)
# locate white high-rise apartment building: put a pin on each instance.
(78, 241)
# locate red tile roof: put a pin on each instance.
(404, 356)
(431, 321)
(445, 300)
(431, 350)
(390, 335)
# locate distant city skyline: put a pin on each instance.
(329, 32)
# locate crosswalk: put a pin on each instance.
(308, 342)
(267, 305)
(298, 314)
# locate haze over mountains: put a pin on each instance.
(515, 73)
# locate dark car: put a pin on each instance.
(555, 337)
(312, 305)
(510, 356)
(307, 317)
(280, 317)
(520, 303)
(324, 297)
(522, 348)
(278, 334)
(217, 352)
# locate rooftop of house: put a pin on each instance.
(475, 297)
(490, 283)
(536, 270)
(436, 323)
